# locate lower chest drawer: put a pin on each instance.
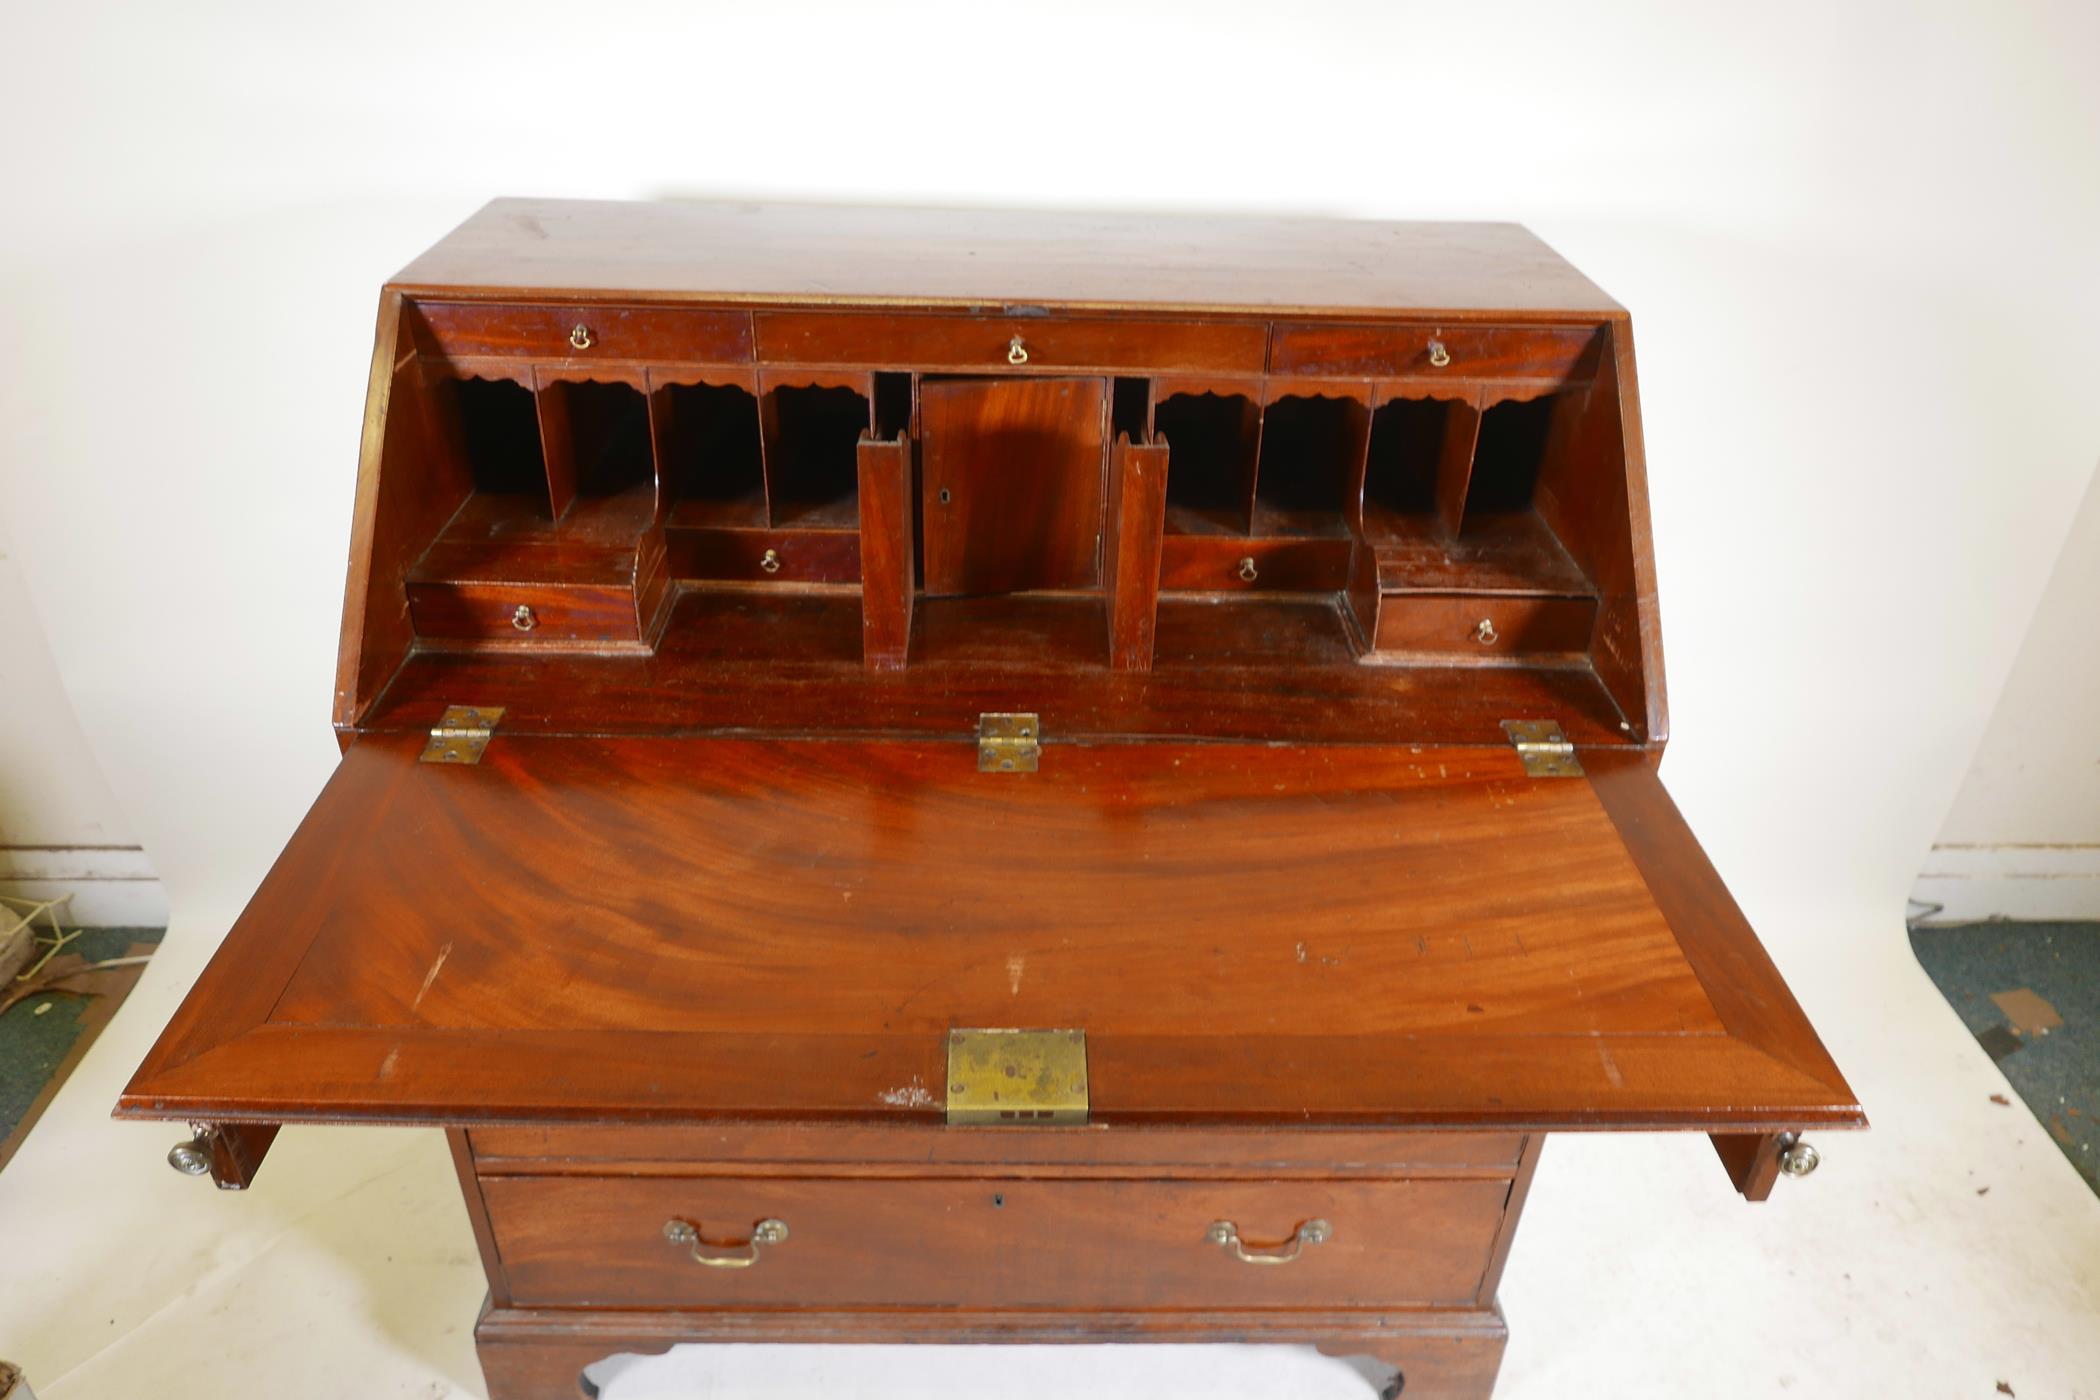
(586, 1241)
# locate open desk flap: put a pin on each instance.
(676, 929)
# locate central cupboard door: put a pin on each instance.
(1013, 483)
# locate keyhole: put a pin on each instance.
(945, 497)
(998, 1199)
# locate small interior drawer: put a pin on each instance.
(1214, 564)
(583, 1241)
(1007, 343)
(1470, 352)
(1484, 624)
(550, 612)
(759, 556)
(582, 333)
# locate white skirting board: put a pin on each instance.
(112, 886)
(1968, 884)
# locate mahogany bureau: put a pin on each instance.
(987, 777)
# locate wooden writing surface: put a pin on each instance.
(836, 907)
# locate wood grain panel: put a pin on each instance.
(1013, 483)
(799, 556)
(1454, 465)
(406, 490)
(837, 887)
(988, 343)
(1268, 670)
(888, 529)
(462, 1154)
(279, 1073)
(557, 612)
(1592, 493)
(738, 907)
(1513, 552)
(1137, 498)
(615, 332)
(1475, 352)
(832, 1149)
(1484, 627)
(593, 1241)
(830, 255)
(1217, 564)
(1712, 930)
(508, 539)
(1751, 1161)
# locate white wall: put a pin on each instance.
(61, 829)
(2023, 838)
(1857, 241)
(51, 791)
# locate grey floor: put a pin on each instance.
(1982, 969)
(39, 1034)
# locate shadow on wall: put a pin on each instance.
(2022, 840)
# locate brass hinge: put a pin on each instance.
(462, 734)
(1008, 743)
(1545, 751)
(1016, 1077)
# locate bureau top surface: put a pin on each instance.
(844, 254)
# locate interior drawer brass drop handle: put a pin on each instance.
(1226, 1236)
(1016, 352)
(580, 336)
(687, 1232)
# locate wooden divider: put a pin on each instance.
(886, 516)
(1454, 468)
(1137, 504)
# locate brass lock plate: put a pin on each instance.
(1016, 1078)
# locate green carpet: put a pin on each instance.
(37, 1034)
(2056, 1069)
